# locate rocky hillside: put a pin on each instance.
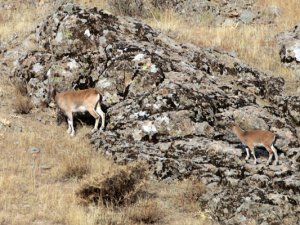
(290, 48)
(223, 13)
(170, 104)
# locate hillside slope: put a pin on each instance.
(171, 104)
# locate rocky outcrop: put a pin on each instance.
(222, 13)
(290, 48)
(170, 104)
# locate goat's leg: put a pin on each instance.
(270, 155)
(95, 114)
(275, 153)
(248, 154)
(253, 153)
(102, 114)
(70, 130)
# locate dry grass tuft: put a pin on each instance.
(117, 188)
(20, 20)
(22, 104)
(188, 197)
(146, 211)
(129, 7)
(194, 190)
(20, 88)
(75, 165)
(102, 4)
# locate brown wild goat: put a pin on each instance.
(252, 138)
(80, 101)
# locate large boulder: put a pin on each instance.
(170, 104)
(289, 42)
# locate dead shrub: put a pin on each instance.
(20, 88)
(162, 4)
(194, 190)
(146, 211)
(116, 188)
(129, 7)
(189, 195)
(75, 166)
(22, 105)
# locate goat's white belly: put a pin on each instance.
(259, 144)
(80, 109)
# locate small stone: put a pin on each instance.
(34, 150)
(247, 16)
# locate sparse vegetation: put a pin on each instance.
(47, 196)
(22, 104)
(75, 165)
(129, 7)
(19, 19)
(20, 88)
(254, 43)
(118, 188)
(146, 211)
(194, 189)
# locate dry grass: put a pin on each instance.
(102, 4)
(146, 211)
(32, 190)
(193, 189)
(137, 8)
(178, 202)
(114, 188)
(190, 192)
(40, 189)
(75, 165)
(22, 104)
(20, 20)
(254, 43)
(20, 88)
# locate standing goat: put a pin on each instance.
(253, 138)
(80, 101)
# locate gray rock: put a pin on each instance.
(34, 150)
(289, 42)
(226, 13)
(170, 104)
(247, 16)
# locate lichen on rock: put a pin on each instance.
(170, 104)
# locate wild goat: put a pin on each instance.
(80, 101)
(253, 138)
